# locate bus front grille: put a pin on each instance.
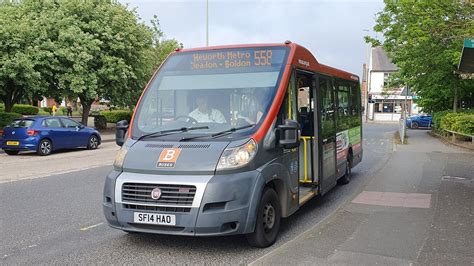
(156, 208)
(171, 195)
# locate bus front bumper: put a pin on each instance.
(221, 206)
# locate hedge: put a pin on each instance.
(48, 109)
(7, 118)
(25, 109)
(463, 124)
(117, 115)
(100, 122)
(462, 121)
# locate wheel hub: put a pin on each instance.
(268, 217)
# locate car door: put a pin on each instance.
(75, 134)
(54, 131)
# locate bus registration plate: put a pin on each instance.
(154, 218)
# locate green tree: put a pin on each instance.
(77, 49)
(162, 47)
(102, 51)
(21, 61)
(424, 39)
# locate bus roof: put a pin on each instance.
(299, 56)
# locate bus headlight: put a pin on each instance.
(119, 157)
(238, 156)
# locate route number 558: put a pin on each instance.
(263, 57)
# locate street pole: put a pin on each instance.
(366, 96)
(207, 22)
(405, 115)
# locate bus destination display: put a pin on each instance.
(232, 59)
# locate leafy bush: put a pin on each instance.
(463, 124)
(436, 120)
(94, 113)
(25, 109)
(100, 122)
(2, 107)
(7, 118)
(48, 110)
(448, 120)
(462, 121)
(116, 115)
(63, 110)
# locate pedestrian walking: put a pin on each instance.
(69, 110)
(54, 109)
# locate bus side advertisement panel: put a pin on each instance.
(342, 144)
(355, 138)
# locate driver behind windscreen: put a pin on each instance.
(204, 114)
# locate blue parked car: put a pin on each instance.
(45, 134)
(416, 121)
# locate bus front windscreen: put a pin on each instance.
(215, 89)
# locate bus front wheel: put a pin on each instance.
(268, 220)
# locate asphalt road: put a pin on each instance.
(58, 220)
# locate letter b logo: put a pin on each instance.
(168, 158)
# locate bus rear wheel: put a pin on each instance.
(346, 178)
(267, 225)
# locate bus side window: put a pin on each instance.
(288, 108)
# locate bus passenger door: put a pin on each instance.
(327, 134)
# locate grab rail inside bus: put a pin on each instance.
(306, 176)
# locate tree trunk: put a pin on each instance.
(86, 107)
(8, 104)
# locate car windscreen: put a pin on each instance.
(22, 123)
(216, 89)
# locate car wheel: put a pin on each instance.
(414, 125)
(267, 225)
(93, 142)
(11, 152)
(346, 178)
(45, 147)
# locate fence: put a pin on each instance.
(402, 130)
(454, 134)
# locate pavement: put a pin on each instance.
(28, 165)
(418, 209)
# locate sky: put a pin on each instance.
(332, 30)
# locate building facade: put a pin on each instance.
(385, 102)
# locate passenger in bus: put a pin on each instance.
(253, 111)
(204, 114)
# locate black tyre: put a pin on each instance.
(346, 178)
(268, 220)
(11, 152)
(414, 125)
(93, 142)
(45, 147)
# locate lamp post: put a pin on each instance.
(367, 82)
(207, 22)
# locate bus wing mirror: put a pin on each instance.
(120, 132)
(288, 134)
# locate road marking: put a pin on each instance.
(393, 199)
(18, 250)
(90, 227)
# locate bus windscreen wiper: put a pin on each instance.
(170, 132)
(230, 130)
(218, 134)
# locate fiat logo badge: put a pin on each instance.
(156, 193)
